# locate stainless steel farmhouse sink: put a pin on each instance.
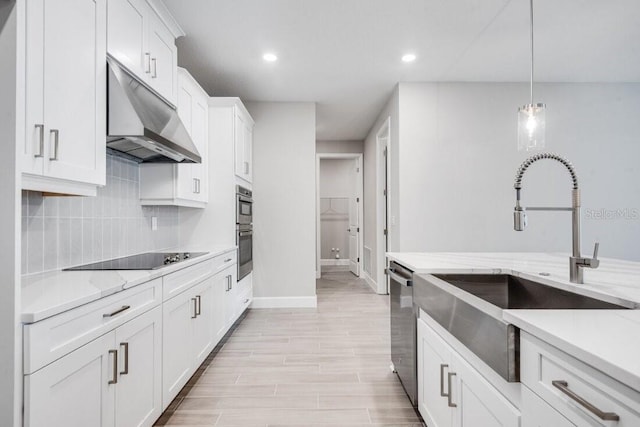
(470, 307)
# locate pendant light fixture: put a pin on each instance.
(531, 117)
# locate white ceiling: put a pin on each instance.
(345, 54)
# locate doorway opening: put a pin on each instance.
(339, 213)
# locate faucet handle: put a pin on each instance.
(594, 262)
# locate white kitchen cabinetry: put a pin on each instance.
(573, 390)
(141, 41)
(231, 298)
(113, 380)
(182, 184)
(65, 89)
(453, 393)
(538, 413)
(240, 132)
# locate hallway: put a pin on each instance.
(302, 367)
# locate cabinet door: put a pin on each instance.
(74, 391)
(68, 103)
(126, 32)
(203, 334)
(185, 185)
(139, 391)
(434, 367)
(163, 60)
(177, 359)
(538, 413)
(220, 289)
(231, 300)
(200, 135)
(478, 402)
(239, 131)
(247, 150)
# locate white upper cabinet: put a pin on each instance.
(233, 117)
(182, 184)
(139, 39)
(243, 143)
(65, 96)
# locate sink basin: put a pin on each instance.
(511, 292)
(470, 306)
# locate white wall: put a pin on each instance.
(458, 158)
(338, 182)
(10, 328)
(284, 203)
(339, 146)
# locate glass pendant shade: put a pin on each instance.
(531, 127)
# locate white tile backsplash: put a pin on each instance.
(60, 232)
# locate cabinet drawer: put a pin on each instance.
(225, 260)
(56, 336)
(178, 282)
(563, 381)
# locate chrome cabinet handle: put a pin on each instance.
(198, 185)
(154, 68)
(246, 167)
(195, 185)
(228, 282)
(56, 137)
(228, 260)
(396, 278)
(147, 62)
(246, 300)
(114, 378)
(195, 308)
(442, 393)
(41, 141)
(125, 371)
(198, 305)
(563, 386)
(118, 311)
(449, 402)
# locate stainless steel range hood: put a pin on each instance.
(141, 124)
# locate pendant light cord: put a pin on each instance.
(531, 27)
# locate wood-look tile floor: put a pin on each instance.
(302, 367)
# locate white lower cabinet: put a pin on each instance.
(139, 387)
(74, 391)
(451, 393)
(538, 413)
(113, 380)
(563, 386)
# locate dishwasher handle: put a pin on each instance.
(395, 277)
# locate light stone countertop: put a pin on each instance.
(47, 294)
(604, 339)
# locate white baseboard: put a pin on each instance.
(371, 282)
(285, 302)
(334, 262)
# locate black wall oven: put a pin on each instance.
(244, 231)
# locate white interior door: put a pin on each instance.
(354, 223)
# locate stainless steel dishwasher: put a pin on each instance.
(403, 328)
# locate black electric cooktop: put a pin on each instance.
(147, 261)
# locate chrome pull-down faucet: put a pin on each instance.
(576, 262)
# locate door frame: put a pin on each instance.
(359, 193)
(383, 203)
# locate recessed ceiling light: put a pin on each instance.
(409, 57)
(270, 57)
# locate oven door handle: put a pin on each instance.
(245, 233)
(245, 199)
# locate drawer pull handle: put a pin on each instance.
(449, 402)
(114, 378)
(228, 260)
(56, 144)
(125, 371)
(198, 305)
(118, 311)
(563, 386)
(442, 393)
